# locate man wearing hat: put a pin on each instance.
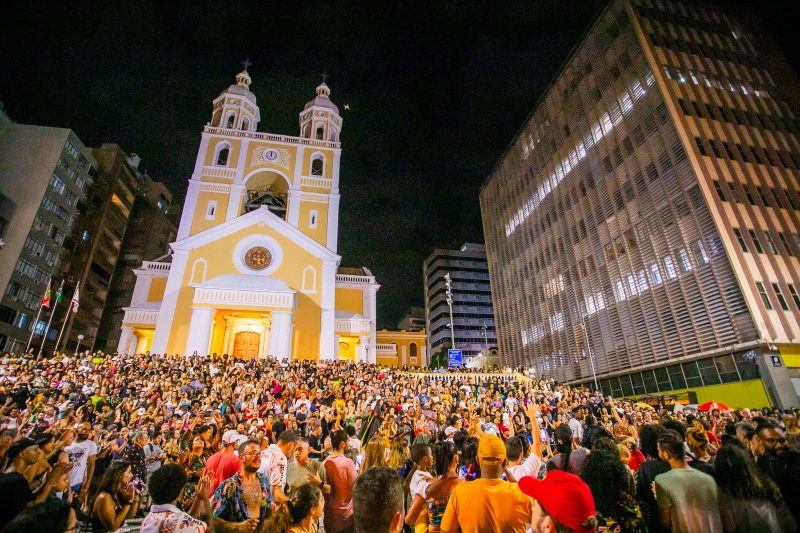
(488, 503)
(562, 503)
(224, 463)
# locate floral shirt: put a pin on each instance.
(169, 519)
(228, 501)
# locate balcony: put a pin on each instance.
(386, 349)
(140, 316)
(270, 137)
(316, 182)
(218, 172)
(154, 266)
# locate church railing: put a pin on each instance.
(213, 296)
(353, 326)
(271, 137)
(158, 267)
(388, 349)
(348, 278)
(218, 172)
(313, 181)
(140, 316)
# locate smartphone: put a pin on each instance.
(543, 435)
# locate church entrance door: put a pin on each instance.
(245, 345)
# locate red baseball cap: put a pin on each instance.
(564, 496)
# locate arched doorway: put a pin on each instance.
(245, 345)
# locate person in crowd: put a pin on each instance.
(570, 456)
(697, 440)
(194, 461)
(576, 425)
(303, 470)
(113, 498)
(748, 499)
(378, 499)
(374, 454)
(273, 463)
(165, 486)
(646, 475)
(301, 512)
(560, 503)
(686, 497)
(50, 516)
(224, 463)
(82, 454)
(242, 503)
(418, 480)
(489, 503)
(781, 464)
(437, 493)
(612, 487)
(154, 454)
(341, 474)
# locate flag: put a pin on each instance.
(59, 292)
(75, 299)
(46, 297)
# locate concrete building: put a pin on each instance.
(643, 225)
(44, 173)
(152, 226)
(473, 318)
(401, 348)
(414, 320)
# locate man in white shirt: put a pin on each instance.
(82, 454)
(274, 461)
(576, 425)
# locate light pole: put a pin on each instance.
(485, 342)
(449, 294)
(591, 355)
(78, 346)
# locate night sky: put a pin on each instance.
(436, 92)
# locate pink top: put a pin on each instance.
(341, 473)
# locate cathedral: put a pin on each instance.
(254, 270)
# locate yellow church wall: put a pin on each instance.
(403, 339)
(199, 221)
(350, 300)
(307, 317)
(233, 156)
(347, 348)
(320, 233)
(310, 151)
(290, 271)
(156, 292)
(286, 167)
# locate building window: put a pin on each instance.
(771, 244)
(686, 264)
(412, 349)
(230, 121)
(320, 133)
(764, 298)
(756, 242)
(309, 279)
(786, 245)
(317, 164)
(655, 274)
(245, 124)
(223, 152)
(669, 267)
(720, 191)
(740, 239)
(312, 219)
(211, 210)
(781, 300)
(795, 295)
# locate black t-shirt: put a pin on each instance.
(315, 443)
(14, 496)
(277, 429)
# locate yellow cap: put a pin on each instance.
(491, 448)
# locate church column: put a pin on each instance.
(166, 313)
(336, 339)
(332, 238)
(199, 331)
(280, 335)
(125, 340)
(234, 201)
(328, 349)
(262, 344)
(403, 359)
(226, 340)
(293, 205)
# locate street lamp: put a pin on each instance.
(78, 346)
(591, 355)
(449, 294)
(485, 342)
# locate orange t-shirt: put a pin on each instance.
(487, 505)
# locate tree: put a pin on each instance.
(439, 359)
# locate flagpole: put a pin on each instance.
(60, 333)
(47, 330)
(68, 315)
(38, 315)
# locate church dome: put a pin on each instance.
(322, 99)
(242, 86)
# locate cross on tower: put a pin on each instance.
(247, 63)
(324, 76)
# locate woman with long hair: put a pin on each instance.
(748, 499)
(374, 454)
(194, 461)
(112, 498)
(398, 452)
(647, 472)
(697, 440)
(611, 483)
(445, 456)
(301, 513)
(566, 458)
(468, 467)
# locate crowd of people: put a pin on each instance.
(104, 443)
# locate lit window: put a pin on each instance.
(655, 274)
(669, 267)
(686, 265)
(619, 290)
(86, 235)
(781, 300)
(700, 252)
(764, 298)
(795, 295)
(771, 243)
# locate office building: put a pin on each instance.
(44, 175)
(473, 319)
(643, 226)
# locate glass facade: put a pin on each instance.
(606, 239)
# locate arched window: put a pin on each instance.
(309, 279)
(245, 124)
(412, 349)
(231, 120)
(320, 132)
(333, 135)
(199, 271)
(223, 152)
(317, 165)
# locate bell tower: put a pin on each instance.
(235, 108)
(320, 117)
